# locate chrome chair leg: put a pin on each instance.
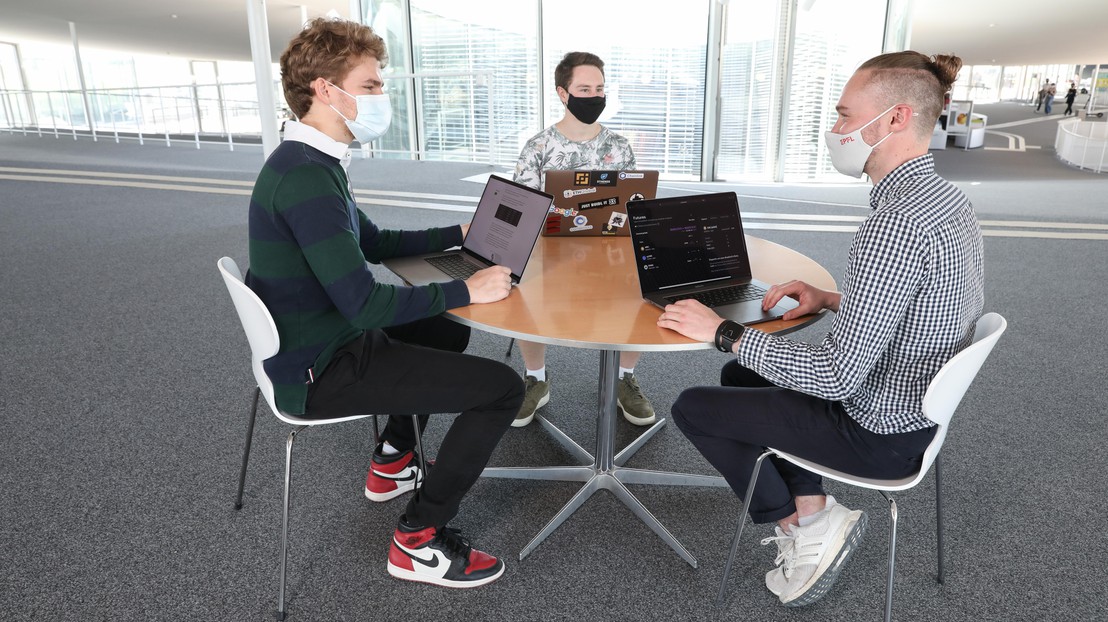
(939, 514)
(246, 447)
(739, 529)
(418, 437)
(892, 559)
(285, 523)
(419, 449)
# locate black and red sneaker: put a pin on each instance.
(440, 557)
(391, 476)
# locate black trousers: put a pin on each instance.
(732, 425)
(418, 369)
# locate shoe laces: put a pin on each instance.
(451, 539)
(786, 550)
(633, 385)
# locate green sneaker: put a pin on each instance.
(537, 395)
(632, 403)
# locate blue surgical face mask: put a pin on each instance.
(373, 118)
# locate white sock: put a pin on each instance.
(388, 450)
(811, 518)
(623, 371)
(538, 374)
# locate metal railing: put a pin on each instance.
(1083, 144)
(444, 127)
(190, 113)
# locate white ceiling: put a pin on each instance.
(983, 32)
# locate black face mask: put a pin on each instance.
(586, 109)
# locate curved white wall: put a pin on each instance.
(1083, 144)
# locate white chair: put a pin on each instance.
(261, 332)
(942, 398)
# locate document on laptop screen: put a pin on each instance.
(504, 212)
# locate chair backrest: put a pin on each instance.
(260, 329)
(949, 385)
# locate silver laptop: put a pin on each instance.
(503, 231)
(694, 247)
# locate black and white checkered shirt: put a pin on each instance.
(913, 290)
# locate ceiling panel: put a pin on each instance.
(997, 32)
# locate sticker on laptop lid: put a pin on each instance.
(561, 211)
(604, 178)
(609, 202)
(569, 194)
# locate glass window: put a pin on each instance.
(478, 64)
(748, 81)
(832, 39)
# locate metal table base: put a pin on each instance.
(606, 471)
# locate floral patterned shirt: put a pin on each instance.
(550, 150)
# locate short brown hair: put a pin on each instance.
(326, 48)
(913, 78)
(563, 73)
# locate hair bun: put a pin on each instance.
(946, 69)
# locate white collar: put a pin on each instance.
(303, 133)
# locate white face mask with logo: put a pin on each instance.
(848, 151)
(373, 118)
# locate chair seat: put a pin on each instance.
(887, 485)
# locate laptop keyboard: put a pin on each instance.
(454, 266)
(723, 296)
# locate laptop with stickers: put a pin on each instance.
(594, 202)
(503, 232)
(694, 247)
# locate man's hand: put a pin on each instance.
(489, 285)
(465, 230)
(692, 319)
(811, 299)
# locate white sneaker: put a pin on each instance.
(775, 579)
(810, 558)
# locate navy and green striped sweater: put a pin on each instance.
(309, 244)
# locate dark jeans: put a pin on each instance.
(418, 369)
(732, 424)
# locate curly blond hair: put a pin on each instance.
(326, 48)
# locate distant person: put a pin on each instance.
(1041, 95)
(578, 141)
(1071, 95)
(1048, 97)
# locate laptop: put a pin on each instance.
(593, 202)
(503, 232)
(694, 247)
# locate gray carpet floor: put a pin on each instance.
(126, 385)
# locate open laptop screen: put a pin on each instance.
(506, 224)
(683, 241)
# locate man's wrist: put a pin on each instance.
(728, 334)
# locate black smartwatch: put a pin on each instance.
(727, 334)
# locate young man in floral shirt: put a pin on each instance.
(577, 142)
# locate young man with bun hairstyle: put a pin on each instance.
(912, 293)
(577, 142)
(352, 345)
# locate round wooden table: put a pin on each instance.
(583, 292)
